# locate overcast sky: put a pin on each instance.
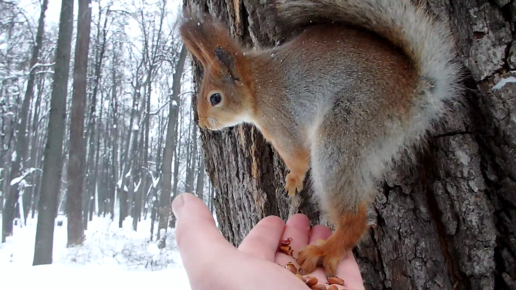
(32, 7)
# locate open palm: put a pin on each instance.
(213, 263)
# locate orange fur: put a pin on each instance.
(204, 38)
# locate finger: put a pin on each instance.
(298, 229)
(319, 233)
(348, 270)
(197, 237)
(262, 241)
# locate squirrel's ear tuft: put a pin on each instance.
(194, 38)
(210, 43)
(227, 59)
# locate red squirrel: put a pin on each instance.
(352, 93)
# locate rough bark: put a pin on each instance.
(77, 153)
(53, 163)
(21, 133)
(445, 222)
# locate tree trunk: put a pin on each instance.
(200, 180)
(91, 177)
(34, 152)
(77, 153)
(36, 148)
(444, 222)
(138, 179)
(114, 131)
(127, 160)
(21, 133)
(97, 193)
(53, 161)
(191, 156)
(166, 178)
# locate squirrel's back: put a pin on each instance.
(426, 42)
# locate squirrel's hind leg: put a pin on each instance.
(344, 193)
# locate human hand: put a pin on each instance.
(213, 263)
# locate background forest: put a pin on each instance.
(95, 119)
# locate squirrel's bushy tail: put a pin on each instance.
(427, 42)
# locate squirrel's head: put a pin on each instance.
(225, 97)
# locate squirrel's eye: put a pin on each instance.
(215, 99)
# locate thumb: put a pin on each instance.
(197, 236)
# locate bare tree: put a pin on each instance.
(53, 162)
(18, 161)
(77, 153)
(166, 179)
(91, 164)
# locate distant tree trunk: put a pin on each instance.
(192, 157)
(34, 154)
(77, 153)
(36, 150)
(128, 160)
(53, 162)
(200, 180)
(105, 173)
(21, 133)
(103, 190)
(444, 222)
(95, 186)
(91, 180)
(138, 178)
(177, 159)
(166, 177)
(159, 152)
(114, 131)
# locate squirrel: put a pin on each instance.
(354, 91)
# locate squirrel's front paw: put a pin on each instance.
(321, 255)
(293, 182)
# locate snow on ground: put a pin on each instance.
(110, 257)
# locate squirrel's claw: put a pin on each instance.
(314, 256)
(293, 182)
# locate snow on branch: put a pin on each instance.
(17, 180)
(38, 65)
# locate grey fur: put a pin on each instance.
(337, 109)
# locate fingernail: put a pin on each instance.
(177, 204)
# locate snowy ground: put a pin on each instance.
(109, 259)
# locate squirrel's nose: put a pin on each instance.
(202, 124)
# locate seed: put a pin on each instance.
(286, 250)
(310, 281)
(292, 268)
(286, 241)
(335, 280)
